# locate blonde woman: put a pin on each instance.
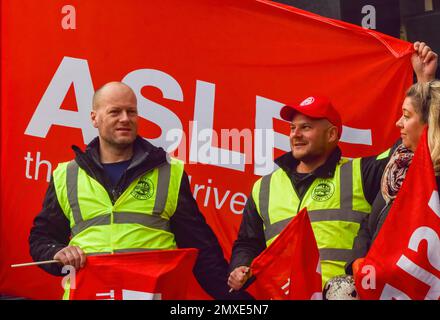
(420, 108)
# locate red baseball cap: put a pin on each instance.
(317, 107)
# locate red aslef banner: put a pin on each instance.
(210, 77)
(404, 262)
(153, 275)
(289, 269)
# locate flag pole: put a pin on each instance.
(34, 263)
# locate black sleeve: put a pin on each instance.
(250, 241)
(191, 231)
(372, 170)
(50, 232)
(361, 244)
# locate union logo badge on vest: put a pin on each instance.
(323, 191)
(144, 189)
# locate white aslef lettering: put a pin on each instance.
(154, 112)
(71, 71)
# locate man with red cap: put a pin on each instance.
(337, 192)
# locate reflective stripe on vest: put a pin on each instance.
(154, 221)
(344, 215)
(142, 211)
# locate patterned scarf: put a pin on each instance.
(395, 172)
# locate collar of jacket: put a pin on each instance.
(145, 157)
(288, 163)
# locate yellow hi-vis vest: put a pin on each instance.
(137, 221)
(336, 206)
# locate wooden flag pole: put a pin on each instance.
(33, 263)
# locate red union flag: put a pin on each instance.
(289, 269)
(404, 260)
(153, 275)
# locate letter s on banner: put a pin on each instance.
(425, 233)
(163, 117)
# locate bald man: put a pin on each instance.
(148, 192)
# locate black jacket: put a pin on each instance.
(251, 241)
(51, 231)
(372, 223)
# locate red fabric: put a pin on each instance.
(154, 275)
(249, 56)
(289, 269)
(404, 259)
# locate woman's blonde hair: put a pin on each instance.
(425, 98)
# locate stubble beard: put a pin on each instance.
(119, 145)
(307, 157)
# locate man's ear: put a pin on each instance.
(93, 116)
(333, 134)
